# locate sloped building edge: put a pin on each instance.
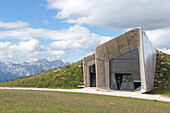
(102, 56)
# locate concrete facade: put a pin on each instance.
(128, 56)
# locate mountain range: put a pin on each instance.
(11, 71)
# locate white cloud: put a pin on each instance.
(78, 38)
(152, 14)
(74, 39)
(160, 37)
(11, 25)
(4, 45)
(27, 50)
(26, 46)
(165, 50)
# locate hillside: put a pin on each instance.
(67, 77)
(71, 76)
(162, 74)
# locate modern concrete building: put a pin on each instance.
(126, 62)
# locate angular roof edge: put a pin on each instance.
(89, 58)
(139, 28)
(92, 56)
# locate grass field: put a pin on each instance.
(70, 76)
(44, 102)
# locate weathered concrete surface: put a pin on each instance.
(88, 58)
(101, 52)
(87, 62)
(133, 38)
(107, 76)
(85, 76)
(100, 73)
(90, 63)
(112, 49)
(129, 41)
(122, 43)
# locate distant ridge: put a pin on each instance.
(10, 71)
(70, 76)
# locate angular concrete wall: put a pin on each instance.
(87, 62)
(112, 49)
(129, 41)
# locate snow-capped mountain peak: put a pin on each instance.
(11, 70)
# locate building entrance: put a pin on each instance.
(92, 79)
(124, 71)
(92, 71)
(124, 81)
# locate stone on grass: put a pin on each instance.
(164, 69)
(160, 57)
(156, 76)
(161, 75)
(157, 66)
(57, 70)
(156, 80)
(159, 81)
(163, 62)
(157, 61)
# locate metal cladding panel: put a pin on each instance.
(149, 53)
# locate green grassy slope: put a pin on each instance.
(70, 76)
(162, 76)
(20, 101)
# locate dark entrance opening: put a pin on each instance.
(118, 80)
(137, 84)
(92, 71)
(92, 79)
(124, 81)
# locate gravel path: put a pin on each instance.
(101, 92)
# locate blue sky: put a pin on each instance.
(71, 29)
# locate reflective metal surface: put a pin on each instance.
(149, 61)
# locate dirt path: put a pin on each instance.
(101, 92)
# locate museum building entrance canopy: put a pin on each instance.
(126, 62)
